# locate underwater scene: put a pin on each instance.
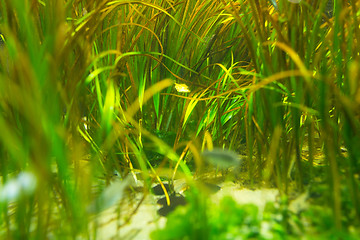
(179, 119)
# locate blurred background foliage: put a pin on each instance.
(92, 87)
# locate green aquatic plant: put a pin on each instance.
(139, 87)
(202, 219)
(229, 220)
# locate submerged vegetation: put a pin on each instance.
(141, 88)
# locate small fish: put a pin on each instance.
(2, 39)
(181, 87)
(329, 8)
(110, 195)
(222, 158)
(273, 2)
(14, 189)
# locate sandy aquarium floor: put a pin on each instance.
(114, 222)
